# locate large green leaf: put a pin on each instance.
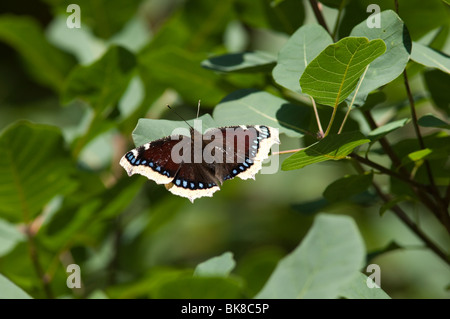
(250, 107)
(335, 72)
(103, 82)
(246, 62)
(430, 57)
(34, 167)
(332, 147)
(8, 290)
(359, 289)
(392, 63)
(301, 48)
(219, 266)
(47, 64)
(327, 260)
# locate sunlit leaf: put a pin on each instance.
(335, 72)
(332, 147)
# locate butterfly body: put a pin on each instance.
(195, 166)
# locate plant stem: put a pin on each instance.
(318, 13)
(438, 210)
(353, 100)
(36, 264)
(386, 171)
(338, 19)
(333, 115)
(288, 151)
(417, 129)
(320, 134)
(408, 222)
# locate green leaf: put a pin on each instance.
(430, 120)
(251, 107)
(103, 82)
(332, 147)
(219, 266)
(430, 57)
(347, 187)
(199, 288)
(10, 236)
(46, 64)
(149, 129)
(326, 260)
(9, 290)
(437, 84)
(34, 167)
(359, 289)
(385, 129)
(391, 64)
(301, 48)
(335, 72)
(181, 70)
(247, 62)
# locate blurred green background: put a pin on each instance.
(125, 233)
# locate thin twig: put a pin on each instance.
(386, 171)
(36, 264)
(288, 151)
(408, 222)
(398, 211)
(353, 99)
(320, 134)
(318, 13)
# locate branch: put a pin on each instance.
(318, 13)
(398, 211)
(408, 222)
(35, 261)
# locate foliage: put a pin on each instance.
(368, 108)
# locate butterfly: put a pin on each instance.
(197, 165)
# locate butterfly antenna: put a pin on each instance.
(198, 108)
(180, 116)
